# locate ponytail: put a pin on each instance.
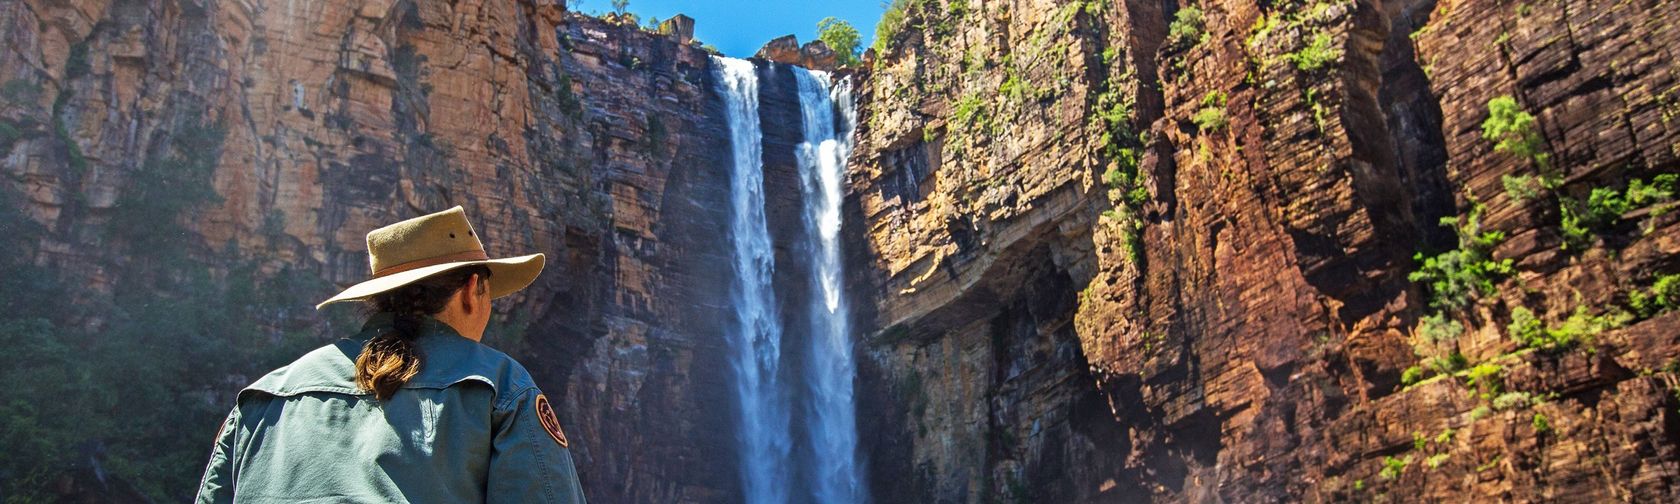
(390, 359)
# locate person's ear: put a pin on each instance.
(470, 293)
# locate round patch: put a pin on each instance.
(545, 416)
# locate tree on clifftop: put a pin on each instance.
(840, 36)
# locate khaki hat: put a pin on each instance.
(411, 250)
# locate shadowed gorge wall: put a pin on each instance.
(1096, 251)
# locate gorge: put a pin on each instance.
(1024, 251)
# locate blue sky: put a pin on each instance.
(740, 27)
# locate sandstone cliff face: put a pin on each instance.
(1115, 257)
(1104, 251)
(592, 142)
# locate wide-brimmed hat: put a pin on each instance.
(411, 250)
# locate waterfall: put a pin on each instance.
(832, 419)
(755, 338)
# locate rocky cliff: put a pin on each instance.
(1129, 251)
(298, 126)
(1100, 251)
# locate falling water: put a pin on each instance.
(833, 472)
(756, 335)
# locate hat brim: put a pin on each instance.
(507, 275)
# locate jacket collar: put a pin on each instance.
(447, 358)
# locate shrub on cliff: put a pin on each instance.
(1513, 130)
(1186, 28)
(1452, 277)
(1663, 295)
(1211, 117)
(892, 21)
(1317, 55)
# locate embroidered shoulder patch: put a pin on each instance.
(545, 416)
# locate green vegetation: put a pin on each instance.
(1579, 329)
(147, 386)
(1454, 276)
(1662, 296)
(1438, 328)
(1411, 376)
(1435, 461)
(20, 92)
(1510, 400)
(841, 37)
(1605, 206)
(167, 184)
(77, 63)
(1394, 467)
(1513, 130)
(1211, 117)
(892, 21)
(1487, 378)
(1317, 55)
(1541, 424)
(1186, 28)
(1523, 187)
(970, 112)
(657, 136)
(72, 150)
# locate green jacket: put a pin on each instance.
(470, 427)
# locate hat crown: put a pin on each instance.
(440, 237)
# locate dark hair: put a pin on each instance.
(390, 359)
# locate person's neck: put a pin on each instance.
(458, 321)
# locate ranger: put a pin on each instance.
(411, 409)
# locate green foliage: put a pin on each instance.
(567, 99)
(1541, 424)
(1605, 206)
(1513, 130)
(657, 136)
(1419, 441)
(1133, 243)
(970, 112)
(77, 63)
(1520, 187)
(146, 388)
(20, 92)
(9, 134)
(1438, 328)
(1015, 89)
(72, 150)
(1317, 55)
(1211, 117)
(1452, 277)
(1525, 327)
(1435, 461)
(1186, 28)
(621, 6)
(840, 36)
(1486, 377)
(1510, 400)
(1411, 376)
(1580, 328)
(168, 183)
(892, 21)
(1480, 412)
(1446, 436)
(1664, 295)
(1451, 363)
(1394, 467)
